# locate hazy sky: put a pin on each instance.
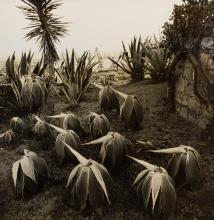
(94, 23)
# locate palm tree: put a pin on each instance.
(45, 27)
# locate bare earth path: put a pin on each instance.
(160, 127)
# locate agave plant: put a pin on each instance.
(29, 173)
(132, 61)
(8, 136)
(17, 124)
(69, 122)
(157, 59)
(75, 75)
(99, 125)
(113, 150)
(28, 88)
(68, 137)
(156, 190)
(131, 111)
(41, 128)
(88, 184)
(184, 166)
(108, 100)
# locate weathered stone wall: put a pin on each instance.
(188, 105)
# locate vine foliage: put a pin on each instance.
(188, 25)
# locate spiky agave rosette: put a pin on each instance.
(113, 150)
(33, 94)
(184, 166)
(41, 128)
(156, 189)
(29, 173)
(69, 121)
(108, 100)
(8, 136)
(68, 137)
(17, 124)
(88, 184)
(131, 111)
(99, 125)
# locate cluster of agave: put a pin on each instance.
(89, 182)
(131, 111)
(27, 85)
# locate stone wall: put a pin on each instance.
(188, 105)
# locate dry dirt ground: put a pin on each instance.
(160, 127)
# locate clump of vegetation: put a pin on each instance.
(156, 190)
(68, 137)
(184, 166)
(88, 184)
(113, 150)
(157, 59)
(188, 25)
(108, 100)
(99, 125)
(29, 173)
(75, 76)
(131, 111)
(132, 61)
(69, 121)
(8, 136)
(41, 128)
(17, 125)
(27, 87)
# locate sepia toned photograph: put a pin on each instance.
(107, 110)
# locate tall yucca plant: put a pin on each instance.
(132, 61)
(157, 59)
(75, 74)
(45, 27)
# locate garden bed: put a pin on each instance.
(160, 127)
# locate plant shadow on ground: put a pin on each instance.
(160, 127)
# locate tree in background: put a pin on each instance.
(45, 27)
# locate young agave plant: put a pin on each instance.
(131, 111)
(156, 190)
(88, 184)
(68, 137)
(8, 136)
(69, 122)
(28, 173)
(113, 150)
(184, 166)
(17, 124)
(41, 128)
(99, 125)
(108, 100)
(33, 94)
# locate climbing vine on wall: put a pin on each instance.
(188, 25)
